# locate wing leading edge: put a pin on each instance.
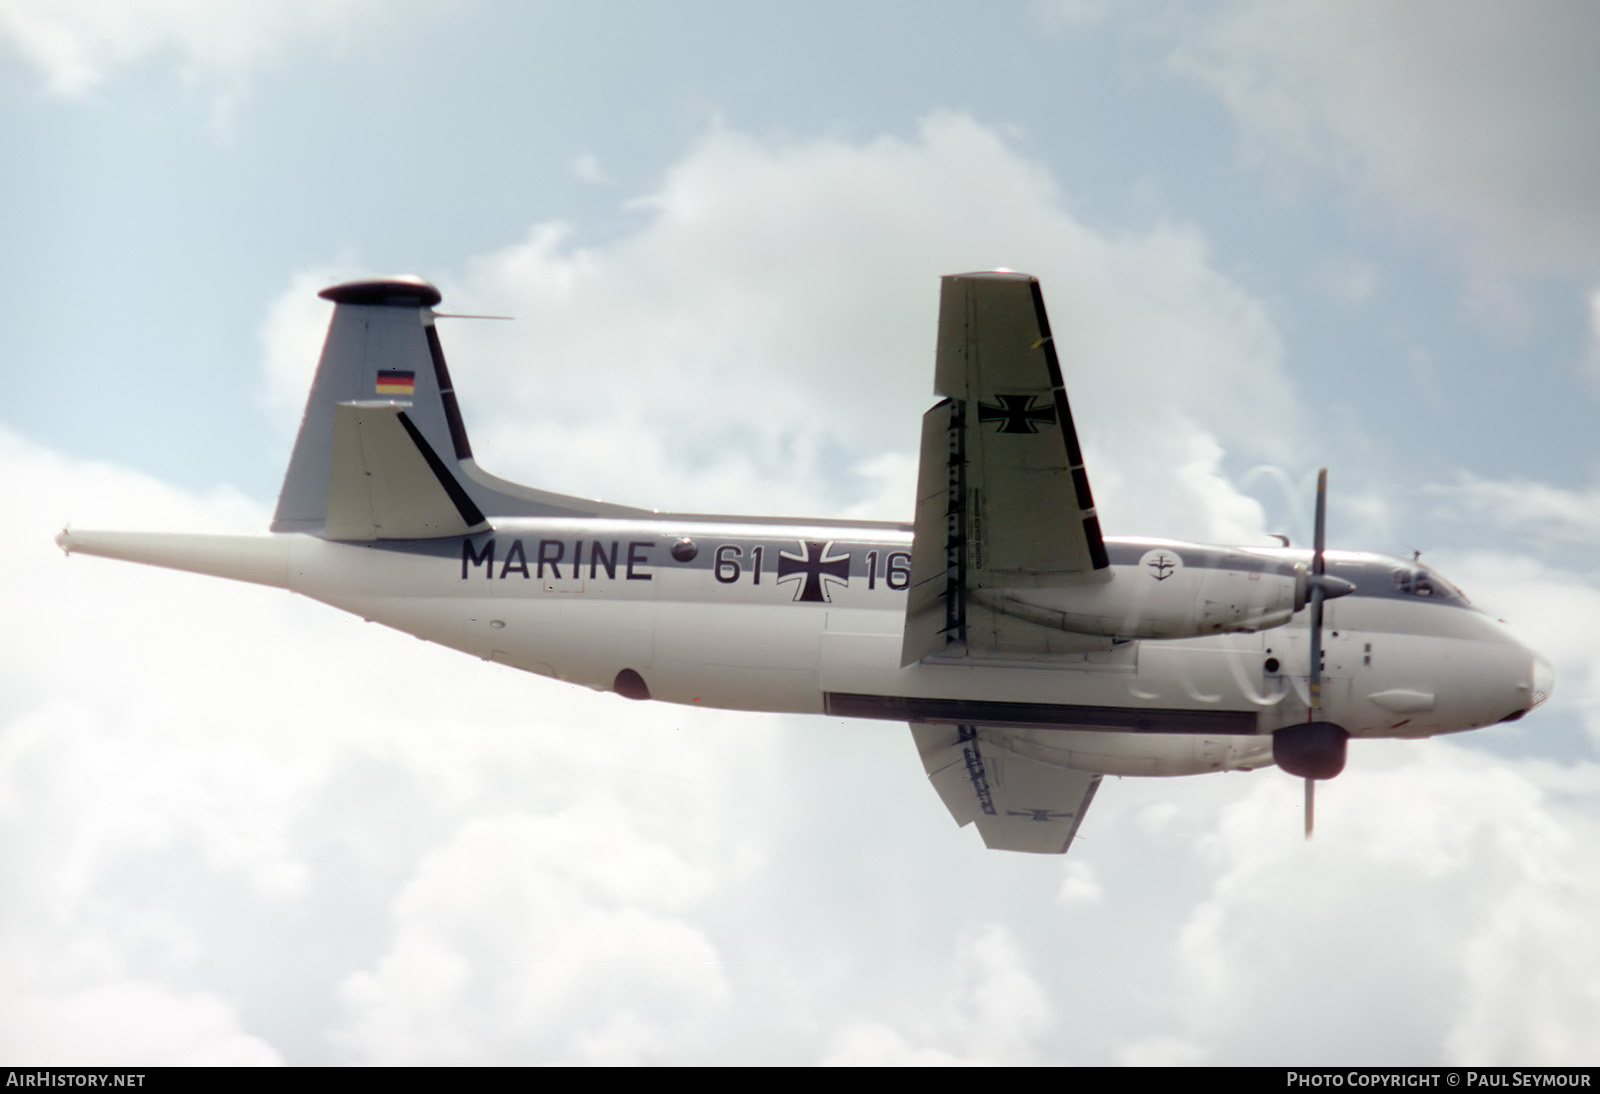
(1003, 499)
(1018, 803)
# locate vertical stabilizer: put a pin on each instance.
(378, 347)
(383, 350)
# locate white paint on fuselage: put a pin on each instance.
(736, 635)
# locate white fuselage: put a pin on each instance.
(808, 618)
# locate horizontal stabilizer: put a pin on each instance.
(387, 482)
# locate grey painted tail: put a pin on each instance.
(382, 451)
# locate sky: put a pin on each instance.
(239, 827)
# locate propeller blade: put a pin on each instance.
(1319, 593)
(1320, 533)
(1315, 676)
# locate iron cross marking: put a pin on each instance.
(1040, 815)
(1017, 414)
(810, 567)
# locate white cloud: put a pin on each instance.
(874, 1044)
(992, 1011)
(1433, 874)
(1541, 512)
(1473, 117)
(77, 45)
(497, 867)
(764, 340)
(169, 745)
(557, 937)
(291, 342)
(1161, 1051)
(128, 1023)
(1079, 885)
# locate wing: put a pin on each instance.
(1018, 803)
(1003, 499)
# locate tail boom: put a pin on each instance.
(261, 559)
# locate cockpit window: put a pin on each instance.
(1445, 590)
(1413, 582)
(1390, 577)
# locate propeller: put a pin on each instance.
(1316, 749)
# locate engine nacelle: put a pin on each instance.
(1172, 591)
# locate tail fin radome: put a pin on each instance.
(382, 451)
